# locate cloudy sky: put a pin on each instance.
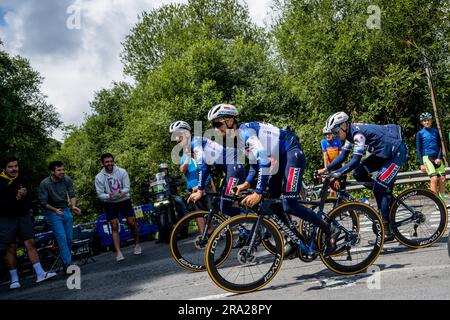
(79, 56)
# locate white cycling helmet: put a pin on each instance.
(325, 130)
(177, 125)
(221, 111)
(336, 120)
(163, 166)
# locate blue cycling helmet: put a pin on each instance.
(426, 116)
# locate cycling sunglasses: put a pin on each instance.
(218, 124)
(335, 131)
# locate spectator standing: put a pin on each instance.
(331, 149)
(16, 221)
(55, 193)
(112, 185)
(429, 152)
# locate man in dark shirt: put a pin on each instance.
(16, 221)
(55, 192)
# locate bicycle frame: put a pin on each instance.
(290, 232)
(342, 194)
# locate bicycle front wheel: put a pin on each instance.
(188, 250)
(359, 244)
(246, 268)
(418, 218)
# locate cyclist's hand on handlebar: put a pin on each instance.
(237, 191)
(322, 171)
(195, 196)
(335, 175)
(252, 199)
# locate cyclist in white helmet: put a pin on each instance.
(209, 153)
(262, 141)
(388, 154)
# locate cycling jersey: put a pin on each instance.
(192, 173)
(428, 143)
(388, 154)
(264, 140)
(260, 141)
(382, 141)
(332, 148)
(211, 153)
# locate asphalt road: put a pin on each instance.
(405, 274)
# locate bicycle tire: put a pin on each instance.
(273, 266)
(433, 201)
(305, 227)
(180, 253)
(375, 231)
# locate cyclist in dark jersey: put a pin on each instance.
(429, 152)
(210, 153)
(388, 154)
(262, 141)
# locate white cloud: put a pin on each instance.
(76, 63)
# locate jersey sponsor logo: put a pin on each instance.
(389, 173)
(233, 182)
(293, 179)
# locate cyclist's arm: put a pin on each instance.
(419, 147)
(184, 164)
(326, 160)
(263, 162)
(203, 169)
(346, 149)
(439, 146)
(358, 152)
(251, 173)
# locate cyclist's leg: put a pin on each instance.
(294, 167)
(432, 173)
(385, 181)
(440, 170)
(292, 182)
(363, 172)
(235, 176)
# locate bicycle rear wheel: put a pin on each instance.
(188, 250)
(245, 269)
(358, 245)
(418, 218)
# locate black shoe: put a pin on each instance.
(388, 234)
(330, 240)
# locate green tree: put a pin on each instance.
(27, 120)
(338, 63)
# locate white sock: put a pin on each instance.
(14, 275)
(38, 268)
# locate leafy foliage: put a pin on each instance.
(318, 57)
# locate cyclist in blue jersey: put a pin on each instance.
(262, 141)
(210, 153)
(388, 154)
(429, 152)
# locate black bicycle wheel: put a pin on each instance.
(357, 248)
(306, 228)
(270, 245)
(188, 250)
(245, 269)
(418, 218)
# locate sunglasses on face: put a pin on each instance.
(218, 124)
(335, 131)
